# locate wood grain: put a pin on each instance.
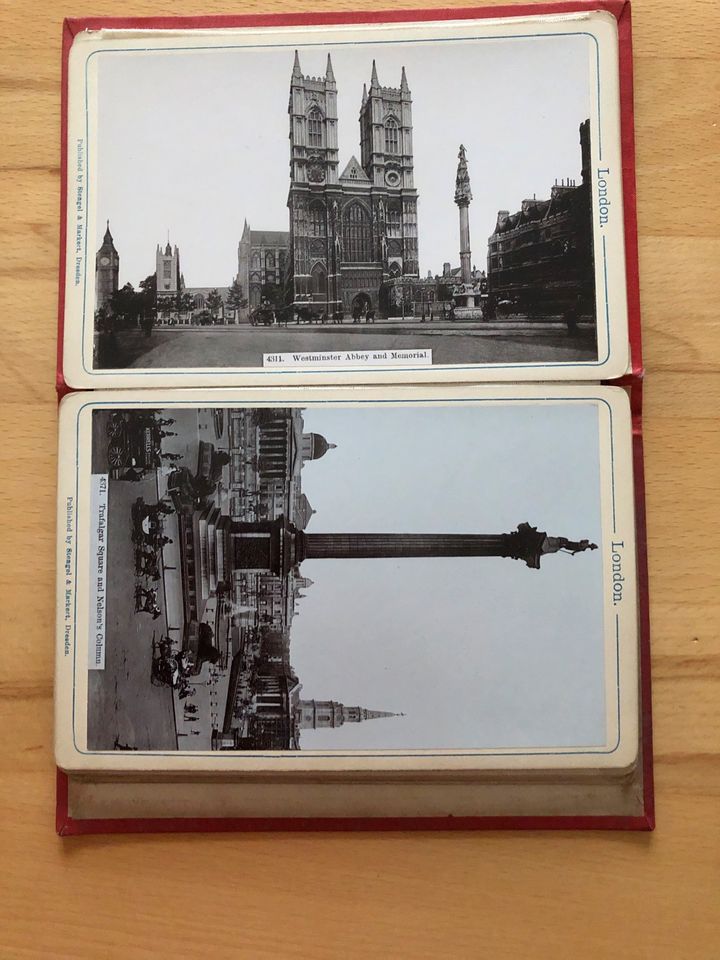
(385, 896)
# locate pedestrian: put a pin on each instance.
(572, 316)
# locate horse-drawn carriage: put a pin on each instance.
(133, 444)
(173, 669)
(263, 316)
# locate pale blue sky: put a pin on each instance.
(477, 652)
(195, 142)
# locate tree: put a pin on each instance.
(126, 307)
(186, 303)
(214, 303)
(148, 298)
(235, 297)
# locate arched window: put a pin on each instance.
(317, 220)
(269, 267)
(318, 276)
(315, 127)
(392, 136)
(357, 238)
(394, 220)
(199, 302)
(256, 261)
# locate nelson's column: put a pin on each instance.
(277, 546)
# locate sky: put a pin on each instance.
(477, 652)
(195, 142)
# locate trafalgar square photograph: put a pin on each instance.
(312, 197)
(332, 577)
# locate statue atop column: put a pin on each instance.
(562, 544)
(463, 195)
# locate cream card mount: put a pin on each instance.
(422, 244)
(412, 582)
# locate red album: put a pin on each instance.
(351, 528)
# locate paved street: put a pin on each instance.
(124, 708)
(451, 343)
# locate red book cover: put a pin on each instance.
(620, 10)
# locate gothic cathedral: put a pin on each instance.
(353, 235)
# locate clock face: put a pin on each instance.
(104, 261)
(392, 178)
(316, 173)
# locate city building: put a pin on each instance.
(262, 265)
(180, 305)
(353, 231)
(261, 471)
(107, 269)
(540, 259)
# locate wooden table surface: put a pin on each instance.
(413, 896)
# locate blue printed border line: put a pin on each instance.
(134, 404)
(240, 371)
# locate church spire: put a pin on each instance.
(297, 72)
(323, 714)
(329, 75)
(404, 88)
(356, 714)
(374, 82)
(364, 97)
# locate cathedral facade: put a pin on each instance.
(353, 232)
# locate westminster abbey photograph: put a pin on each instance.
(250, 201)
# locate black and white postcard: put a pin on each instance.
(437, 578)
(367, 203)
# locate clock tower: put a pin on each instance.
(107, 268)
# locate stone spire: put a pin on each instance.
(364, 96)
(404, 88)
(297, 72)
(374, 82)
(329, 75)
(324, 714)
(356, 714)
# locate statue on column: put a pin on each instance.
(563, 545)
(463, 195)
